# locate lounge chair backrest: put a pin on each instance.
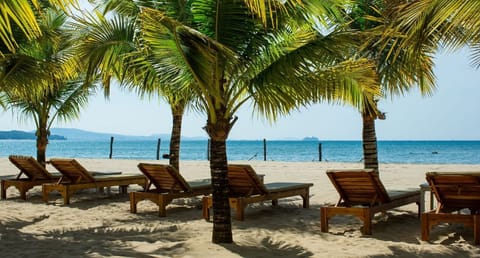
(358, 186)
(30, 167)
(243, 181)
(456, 190)
(72, 170)
(164, 177)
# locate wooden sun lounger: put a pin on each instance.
(454, 191)
(75, 177)
(31, 174)
(169, 185)
(247, 187)
(362, 194)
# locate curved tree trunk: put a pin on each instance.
(42, 141)
(222, 224)
(174, 157)
(370, 151)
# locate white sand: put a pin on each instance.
(100, 225)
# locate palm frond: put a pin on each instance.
(475, 54)
(104, 43)
(20, 13)
(190, 48)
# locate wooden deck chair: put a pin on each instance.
(362, 194)
(75, 177)
(247, 187)
(455, 192)
(31, 174)
(169, 185)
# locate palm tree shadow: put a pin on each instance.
(451, 252)
(99, 241)
(268, 248)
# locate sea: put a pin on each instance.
(408, 152)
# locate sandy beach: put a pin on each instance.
(100, 224)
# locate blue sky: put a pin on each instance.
(450, 114)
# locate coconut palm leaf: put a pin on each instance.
(454, 24)
(21, 14)
(104, 43)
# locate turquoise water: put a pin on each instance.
(423, 152)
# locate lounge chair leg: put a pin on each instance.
(239, 209)
(4, 190)
(162, 212)
(23, 194)
(44, 193)
(306, 199)
(66, 194)
(133, 203)
(275, 202)
(476, 229)
(367, 221)
(123, 189)
(323, 219)
(425, 227)
(162, 206)
(66, 199)
(206, 205)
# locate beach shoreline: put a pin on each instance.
(100, 225)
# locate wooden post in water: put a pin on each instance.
(158, 148)
(111, 147)
(264, 149)
(319, 151)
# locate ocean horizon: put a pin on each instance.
(392, 151)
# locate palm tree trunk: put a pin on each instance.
(218, 132)
(174, 157)
(42, 141)
(222, 224)
(370, 151)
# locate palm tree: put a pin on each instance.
(410, 67)
(47, 105)
(111, 50)
(234, 56)
(61, 92)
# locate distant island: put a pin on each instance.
(73, 134)
(21, 135)
(83, 135)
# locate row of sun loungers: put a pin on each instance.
(361, 191)
(161, 184)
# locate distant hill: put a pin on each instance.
(77, 134)
(21, 135)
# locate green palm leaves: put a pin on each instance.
(234, 57)
(453, 23)
(20, 15)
